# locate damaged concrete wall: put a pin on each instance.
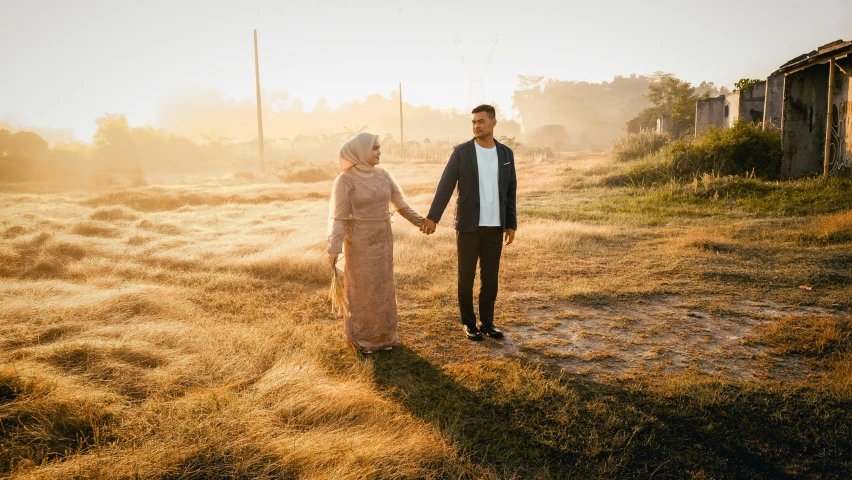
(732, 109)
(805, 112)
(805, 101)
(709, 112)
(774, 102)
(664, 124)
(840, 156)
(752, 101)
(724, 111)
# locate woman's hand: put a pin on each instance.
(429, 226)
(332, 259)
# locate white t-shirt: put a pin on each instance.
(489, 198)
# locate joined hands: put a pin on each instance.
(429, 226)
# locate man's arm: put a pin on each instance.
(511, 207)
(445, 189)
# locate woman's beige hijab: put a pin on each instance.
(356, 153)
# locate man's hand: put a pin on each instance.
(509, 236)
(429, 226)
(332, 259)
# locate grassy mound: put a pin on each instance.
(740, 150)
(311, 175)
(41, 256)
(635, 147)
(113, 213)
(158, 199)
(95, 229)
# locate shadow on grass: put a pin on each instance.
(521, 422)
(484, 428)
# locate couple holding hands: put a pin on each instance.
(364, 198)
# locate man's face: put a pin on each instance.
(483, 126)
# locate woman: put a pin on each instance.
(363, 200)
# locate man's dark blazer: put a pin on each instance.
(463, 170)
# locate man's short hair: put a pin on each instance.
(485, 108)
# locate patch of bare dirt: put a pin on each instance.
(655, 336)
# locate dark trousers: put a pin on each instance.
(484, 245)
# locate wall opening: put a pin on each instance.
(756, 115)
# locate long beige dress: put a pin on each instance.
(361, 229)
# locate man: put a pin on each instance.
(484, 171)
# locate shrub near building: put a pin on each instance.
(742, 149)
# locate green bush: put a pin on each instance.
(741, 149)
(640, 145)
(744, 148)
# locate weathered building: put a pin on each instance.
(773, 102)
(752, 102)
(724, 111)
(664, 124)
(817, 113)
(732, 109)
(709, 112)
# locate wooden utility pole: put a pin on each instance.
(259, 114)
(401, 137)
(828, 120)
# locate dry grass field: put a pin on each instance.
(184, 331)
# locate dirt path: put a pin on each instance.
(654, 336)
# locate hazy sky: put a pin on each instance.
(65, 63)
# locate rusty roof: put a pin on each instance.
(837, 48)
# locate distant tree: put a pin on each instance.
(20, 154)
(666, 89)
(670, 96)
(322, 106)
(709, 90)
(744, 83)
(113, 130)
(646, 119)
(26, 156)
(683, 116)
(122, 149)
(592, 111)
(554, 135)
(355, 131)
(530, 81)
(218, 140)
(21, 144)
(509, 142)
(115, 146)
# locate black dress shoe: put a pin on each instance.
(491, 331)
(472, 333)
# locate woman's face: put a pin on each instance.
(376, 152)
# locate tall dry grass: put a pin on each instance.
(831, 229)
(640, 145)
(184, 332)
(175, 334)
